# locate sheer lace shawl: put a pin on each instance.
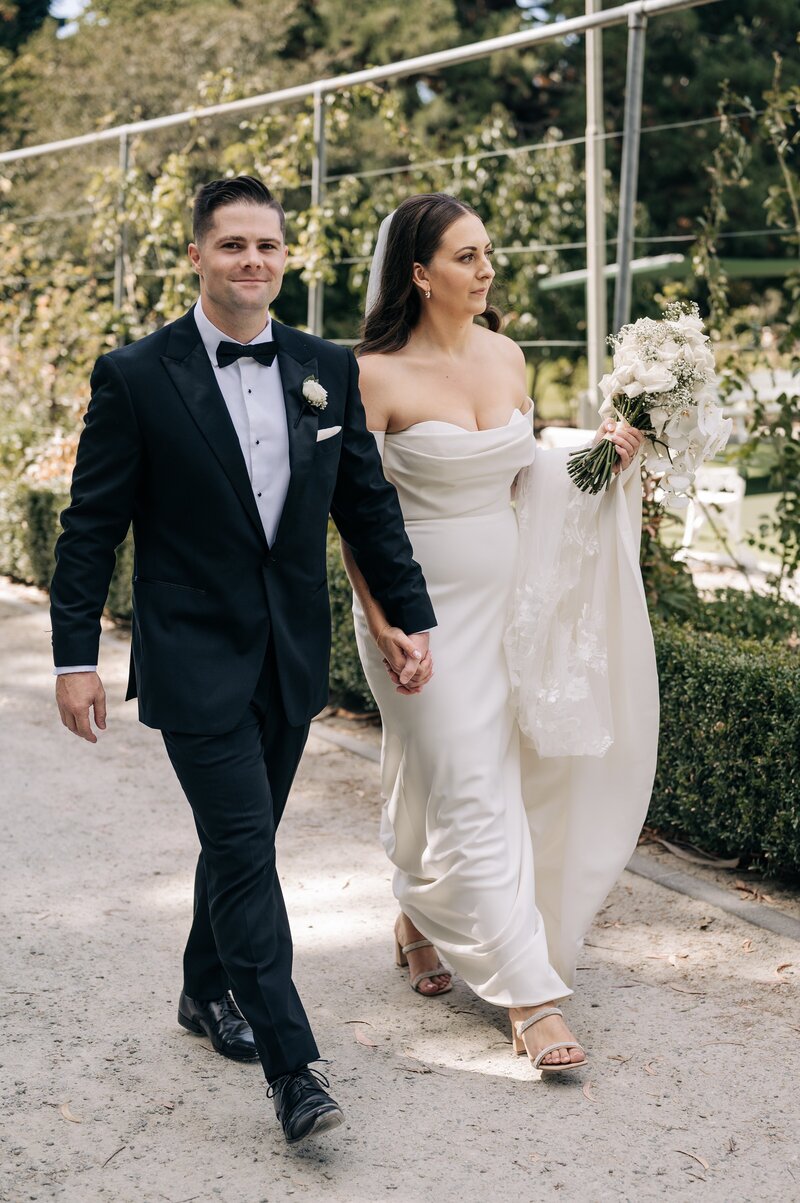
(577, 578)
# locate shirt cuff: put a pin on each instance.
(75, 668)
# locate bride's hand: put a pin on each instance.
(626, 439)
(406, 658)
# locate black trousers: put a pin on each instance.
(237, 785)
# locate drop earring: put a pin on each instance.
(427, 294)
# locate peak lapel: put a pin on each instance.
(302, 419)
(190, 371)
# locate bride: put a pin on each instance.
(516, 784)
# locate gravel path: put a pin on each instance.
(690, 1017)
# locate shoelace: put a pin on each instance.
(293, 1081)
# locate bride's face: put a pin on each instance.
(460, 272)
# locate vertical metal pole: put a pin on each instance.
(596, 319)
(119, 264)
(315, 316)
(637, 26)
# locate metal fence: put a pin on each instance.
(635, 15)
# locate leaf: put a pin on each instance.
(366, 1022)
(683, 989)
(67, 1114)
(364, 1039)
(587, 1092)
(648, 1068)
(694, 1157)
(698, 857)
(619, 1057)
(784, 965)
(754, 892)
(747, 946)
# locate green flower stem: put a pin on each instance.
(592, 470)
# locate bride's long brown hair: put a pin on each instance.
(415, 235)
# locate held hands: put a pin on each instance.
(407, 659)
(76, 695)
(627, 440)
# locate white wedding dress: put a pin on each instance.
(503, 845)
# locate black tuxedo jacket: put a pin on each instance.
(159, 450)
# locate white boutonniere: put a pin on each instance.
(314, 393)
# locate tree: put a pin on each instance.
(20, 20)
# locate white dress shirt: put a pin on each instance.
(253, 395)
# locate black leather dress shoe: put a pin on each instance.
(223, 1023)
(303, 1105)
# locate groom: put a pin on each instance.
(226, 438)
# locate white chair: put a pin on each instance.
(718, 495)
(552, 437)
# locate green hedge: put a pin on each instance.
(29, 527)
(348, 684)
(728, 774)
(728, 777)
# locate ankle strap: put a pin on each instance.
(417, 944)
(522, 1025)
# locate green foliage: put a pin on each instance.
(19, 20)
(748, 616)
(41, 509)
(29, 527)
(668, 584)
(120, 602)
(347, 682)
(728, 767)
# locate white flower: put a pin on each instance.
(314, 393)
(656, 379)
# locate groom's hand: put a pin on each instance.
(76, 695)
(407, 658)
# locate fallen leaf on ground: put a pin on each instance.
(683, 989)
(747, 946)
(754, 892)
(698, 857)
(694, 1156)
(784, 965)
(166, 1103)
(415, 1068)
(618, 1057)
(648, 1068)
(587, 1092)
(364, 1039)
(67, 1114)
(364, 1021)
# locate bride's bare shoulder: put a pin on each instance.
(500, 344)
(380, 378)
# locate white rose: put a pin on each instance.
(656, 379)
(688, 322)
(314, 393)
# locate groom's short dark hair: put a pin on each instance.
(239, 189)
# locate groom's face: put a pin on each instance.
(241, 258)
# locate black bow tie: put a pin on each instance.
(229, 352)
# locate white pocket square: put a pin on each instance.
(328, 432)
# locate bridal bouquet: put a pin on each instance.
(663, 382)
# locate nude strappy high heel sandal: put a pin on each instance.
(401, 959)
(521, 1026)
